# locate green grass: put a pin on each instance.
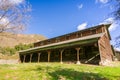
(57, 71)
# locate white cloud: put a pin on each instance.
(113, 27)
(16, 1)
(80, 6)
(118, 49)
(111, 21)
(4, 21)
(8, 3)
(102, 1)
(82, 26)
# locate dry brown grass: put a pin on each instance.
(7, 57)
(9, 39)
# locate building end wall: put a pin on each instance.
(105, 49)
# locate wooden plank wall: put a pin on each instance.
(73, 35)
(105, 47)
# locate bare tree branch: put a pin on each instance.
(117, 11)
(116, 14)
(3, 14)
(13, 15)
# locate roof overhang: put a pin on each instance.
(107, 28)
(67, 43)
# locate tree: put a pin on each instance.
(117, 18)
(13, 15)
(117, 11)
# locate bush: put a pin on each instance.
(7, 51)
(23, 46)
(11, 51)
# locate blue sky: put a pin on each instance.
(52, 18)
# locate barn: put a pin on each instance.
(91, 45)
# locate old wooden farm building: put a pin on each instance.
(90, 45)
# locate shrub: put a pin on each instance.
(23, 46)
(7, 50)
(11, 51)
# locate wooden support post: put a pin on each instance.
(31, 57)
(24, 58)
(78, 60)
(77, 35)
(61, 51)
(39, 57)
(96, 45)
(19, 58)
(49, 56)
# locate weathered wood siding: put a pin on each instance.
(105, 47)
(117, 55)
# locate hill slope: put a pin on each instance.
(10, 40)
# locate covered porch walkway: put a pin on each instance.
(80, 50)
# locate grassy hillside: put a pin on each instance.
(8, 57)
(10, 40)
(57, 71)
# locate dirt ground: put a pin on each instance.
(5, 59)
(10, 61)
(16, 61)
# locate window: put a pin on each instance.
(49, 41)
(67, 37)
(41, 43)
(57, 40)
(94, 31)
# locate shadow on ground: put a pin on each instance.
(70, 74)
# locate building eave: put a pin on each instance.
(72, 42)
(106, 25)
